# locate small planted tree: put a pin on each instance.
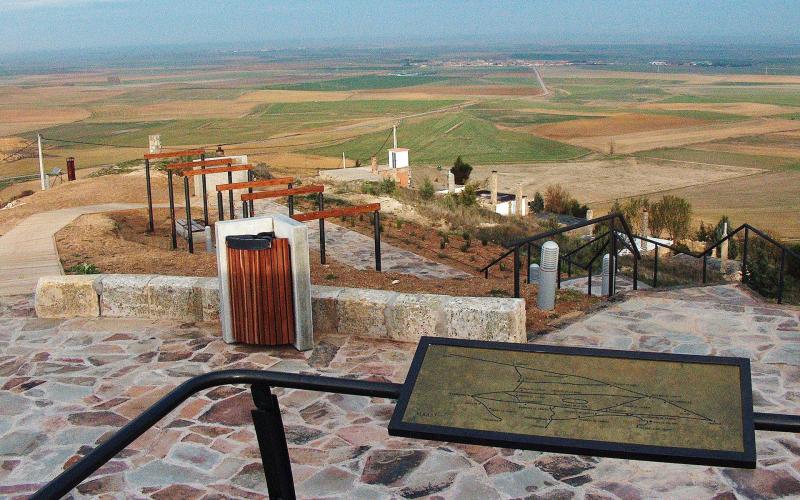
(461, 171)
(426, 190)
(673, 215)
(537, 205)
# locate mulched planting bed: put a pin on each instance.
(116, 242)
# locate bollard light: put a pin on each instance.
(548, 275)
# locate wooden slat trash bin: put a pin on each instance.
(262, 298)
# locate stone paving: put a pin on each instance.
(66, 384)
(357, 250)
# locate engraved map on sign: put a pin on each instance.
(652, 402)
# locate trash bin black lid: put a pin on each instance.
(260, 241)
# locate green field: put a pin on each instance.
(364, 82)
(722, 158)
(777, 96)
(350, 108)
(442, 138)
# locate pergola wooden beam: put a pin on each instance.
(337, 212)
(278, 193)
(253, 184)
(174, 154)
(200, 163)
(215, 170)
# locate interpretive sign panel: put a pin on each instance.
(644, 406)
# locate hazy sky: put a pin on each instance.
(64, 24)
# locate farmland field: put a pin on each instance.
(602, 132)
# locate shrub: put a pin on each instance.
(426, 190)
(556, 199)
(83, 268)
(537, 205)
(461, 170)
(261, 171)
(671, 214)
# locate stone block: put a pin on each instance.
(208, 290)
(125, 295)
(67, 297)
(174, 297)
(485, 318)
(362, 312)
(324, 301)
(410, 316)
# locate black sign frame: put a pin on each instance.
(695, 456)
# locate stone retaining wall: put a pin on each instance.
(349, 311)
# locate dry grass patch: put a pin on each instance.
(625, 123)
(736, 108)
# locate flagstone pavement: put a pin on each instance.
(65, 385)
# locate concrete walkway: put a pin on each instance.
(28, 251)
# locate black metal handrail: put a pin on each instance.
(95, 459)
(514, 247)
(268, 423)
(747, 228)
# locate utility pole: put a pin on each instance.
(41, 164)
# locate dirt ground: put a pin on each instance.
(116, 243)
(594, 181)
(625, 123)
(124, 188)
(736, 108)
(667, 138)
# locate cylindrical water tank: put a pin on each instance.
(548, 276)
(605, 274)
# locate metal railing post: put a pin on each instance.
(558, 275)
(589, 290)
(291, 201)
(655, 268)
(171, 192)
(377, 222)
(635, 273)
(272, 443)
(705, 268)
(528, 272)
(569, 266)
(744, 254)
(781, 276)
(189, 233)
(516, 272)
(220, 209)
(205, 193)
(245, 210)
(150, 225)
(321, 207)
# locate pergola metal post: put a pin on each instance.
(205, 193)
(150, 226)
(377, 223)
(290, 203)
(171, 191)
(220, 207)
(250, 190)
(230, 195)
(189, 233)
(321, 207)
